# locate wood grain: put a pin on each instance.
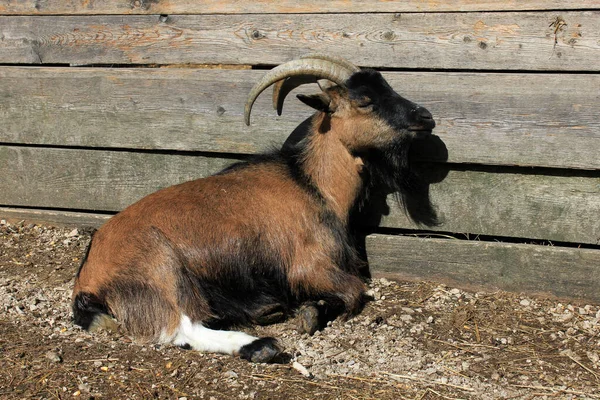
(548, 120)
(550, 207)
(565, 41)
(92, 180)
(565, 272)
(499, 202)
(49, 7)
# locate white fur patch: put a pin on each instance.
(209, 340)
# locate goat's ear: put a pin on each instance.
(319, 102)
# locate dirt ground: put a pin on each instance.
(415, 341)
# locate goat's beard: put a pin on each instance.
(390, 171)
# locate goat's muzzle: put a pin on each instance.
(422, 120)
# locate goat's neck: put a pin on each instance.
(333, 170)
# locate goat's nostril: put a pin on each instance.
(424, 114)
(421, 119)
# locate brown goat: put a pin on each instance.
(257, 240)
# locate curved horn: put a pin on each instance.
(283, 87)
(321, 69)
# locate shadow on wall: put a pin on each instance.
(427, 165)
(427, 157)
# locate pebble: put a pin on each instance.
(84, 387)
(525, 303)
(406, 318)
(230, 374)
(73, 233)
(53, 356)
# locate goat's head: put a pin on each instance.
(361, 109)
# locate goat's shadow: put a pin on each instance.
(427, 157)
(427, 165)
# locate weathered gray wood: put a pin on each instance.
(557, 208)
(502, 204)
(48, 7)
(566, 272)
(568, 41)
(548, 120)
(53, 217)
(92, 180)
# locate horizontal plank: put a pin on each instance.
(557, 208)
(49, 7)
(53, 217)
(497, 203)
(547, 120)
(568, 41)
(564, 272)
(92, 180)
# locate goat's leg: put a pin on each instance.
(201, 338)
(345, 297)
(269, 314)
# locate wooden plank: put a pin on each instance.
(565, 41)
(49, 7)
(92, 180)
(499, 203)
(53, 217)
(558, 208)
(547, 120)
(565, 272)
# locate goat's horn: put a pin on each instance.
(321, 69)
(285, 86)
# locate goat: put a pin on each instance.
(263, 237)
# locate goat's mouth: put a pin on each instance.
(423, 126)
(420, 130)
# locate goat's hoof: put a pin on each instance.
(308, 319)
(262, 350)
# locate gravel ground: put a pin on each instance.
(416, 340)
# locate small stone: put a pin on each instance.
(53, 356)
(230, 374)
(593, 357)
(525, 303)
(406, 318)
(385, 282)
(84, 388)
(566, 317)
(73, 233)
(455, 292)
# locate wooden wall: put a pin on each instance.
(103, 102)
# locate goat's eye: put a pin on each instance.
(363, 102)
(366, 105)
